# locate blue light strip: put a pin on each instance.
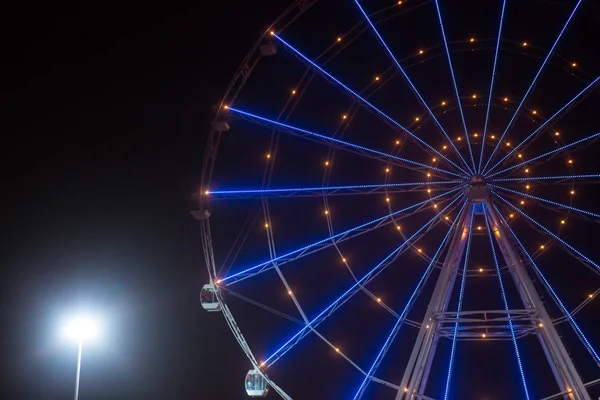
(548, 232)
(410, 81)
(544, 178)
(547, 201)
(532, 83)
(462, 115)
(407, 307)
(328, 188)
(460, 300)
(364, 101)
(512, 329)
(334, 140)
(361, 280)
(487, 113)
(330, 238)
(565, 311)
(544, 124)
(595, 135)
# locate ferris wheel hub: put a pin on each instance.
(477, 180)
(478, 191)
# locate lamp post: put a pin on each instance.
(80, 329)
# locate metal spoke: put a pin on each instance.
(561, 148)
(392, 335)
(460, 109)
(414, 89)
(487, 112)
(579, 255)
(577, 309)
(579, 210)
(460, 301)
(318, 191)
(549, 288)
(381, 265)
(386, 157)
(393, 122)
(324, 243)
(505, 301)
(542, 126)
(545, 178)
(260, 305)
(532, 84)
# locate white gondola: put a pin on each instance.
(256, 384)
(208, 298)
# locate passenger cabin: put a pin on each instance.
(256, 384)
(208, 298)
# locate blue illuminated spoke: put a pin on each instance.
(339, 141)
(579, 210)
(567, 314)
(408, 305)
(542, 126)
(462, 115)
(595, 135)
(545, 178)
(361, 280)
(320, 190)
(367, 103)
(460, 301)
(532, 84)
(266, 265)
(403, 72)
(542, 227)
(487, 112)
(512, 329)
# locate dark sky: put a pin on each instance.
(105, 112)
(105, 109)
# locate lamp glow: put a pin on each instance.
(81, 329)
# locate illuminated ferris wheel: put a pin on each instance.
(380, 216)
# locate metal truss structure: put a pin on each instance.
(465, 182)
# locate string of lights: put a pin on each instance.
(550, 52)
(359, 282)
(543, 178)
(460, 303)
(576, 327)
(579, 210)
(489, 103)
(367, 103)
(323, 189)
(339, 141)
(415, 91)
(561, 148)
(542, 227)
(505, 301)
(460, 108)
(544, 124)
(407, 307)
(281, 259)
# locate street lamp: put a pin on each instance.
(80, 329)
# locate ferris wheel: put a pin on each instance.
(392, 207)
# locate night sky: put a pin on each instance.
(106, 109)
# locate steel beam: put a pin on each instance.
(558, 358)
(417, 371)
(534, 319)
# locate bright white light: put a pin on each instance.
(81, 329)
